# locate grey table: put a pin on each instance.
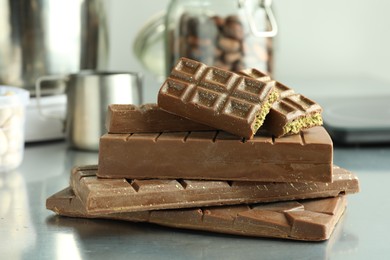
(29, 231)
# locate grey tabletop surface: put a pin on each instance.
(29, 231)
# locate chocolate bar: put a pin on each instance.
(310, 220)
(217, 155)
(217, 98)
(127, 195)
(283, 90)
(147, 118)
(291, 113)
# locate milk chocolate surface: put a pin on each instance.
(126, 195)
(147, 118)
(292, 112)
(217, 155)
(217, 98)
(310, 220)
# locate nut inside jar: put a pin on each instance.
(222, 41)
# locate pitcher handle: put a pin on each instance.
(38, 83)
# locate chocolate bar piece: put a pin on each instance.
(147, 118)
(310, 220)
(216, 97)
(217, 155)
(283, 90)
(291, 113)
(126, 195)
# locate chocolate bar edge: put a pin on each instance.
(345, 183)
(66, 203)
(146, 118)
(315, 143)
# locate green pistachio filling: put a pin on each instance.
(301, 123)
(260, 116)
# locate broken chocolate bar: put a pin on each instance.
(217, 98)
(309, 220)
(217, 155)
(291, 113)
(283, 90)
(127, 195)
(148, 118)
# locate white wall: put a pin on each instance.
(317, 38)
(126, 17)
(333, 38)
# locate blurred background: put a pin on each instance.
(324, 40)
(334, 52)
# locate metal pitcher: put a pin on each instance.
(46, 37)
(88, 95)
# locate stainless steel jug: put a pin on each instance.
(88, 95)
(46, 37)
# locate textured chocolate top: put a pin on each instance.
(283, 90)
(147, 118)
(217, 98)
(292, 112)
(126, 195)
(310, 220)
(217, 155)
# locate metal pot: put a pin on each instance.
(46, 37)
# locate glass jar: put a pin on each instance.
(229, 34)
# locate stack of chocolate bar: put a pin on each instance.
(223, 152)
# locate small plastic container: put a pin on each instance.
(13, 102)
